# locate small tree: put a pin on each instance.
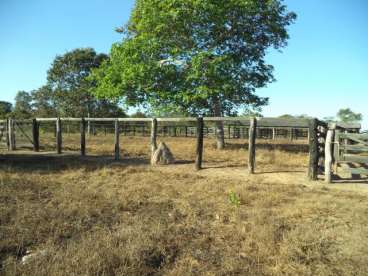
(23, 105)
(346, 115)
(67, 80)
(43, 102)
(5, 109)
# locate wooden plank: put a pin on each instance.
(59, 136)
(101, 119)
(277, 122)
(71, 119)
(83, 127)
(199, 151)
(7, 134)
(11, 134)
(357, 171)
(184, 119)
(328, 155)
(117, 140)
(252, 145)
(354, 148)
(135, 120)
(36, 135)
(348, 125)
(10, 129)
(337, 145)
(354, 136)
(354, 158)
(46, 119)
(313, 150)
(336, 150)
(262, 122)
(24, 121)
(153, 137)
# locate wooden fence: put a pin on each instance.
(344, 147)
(316, 133)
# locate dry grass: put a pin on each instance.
(99, 217)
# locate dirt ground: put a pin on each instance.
(95, 216)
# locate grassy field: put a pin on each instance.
(94, 216)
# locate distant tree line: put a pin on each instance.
(345, 115)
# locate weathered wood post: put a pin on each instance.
(7, 134)
(273, 133)
(328, 155)
(36, 135)
(83, 127)
(117, 140)
(291, 134)
(59, 136)
(199, 151)
(153, 137)
(313, 150)
(336, 149)
(252, 145)
(11, 134)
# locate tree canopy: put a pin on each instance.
(348, 116)
(23, 105)
(69, 87)
(5, 109)
(196, 57)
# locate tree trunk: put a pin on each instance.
(220, 136)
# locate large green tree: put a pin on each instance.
(197, 57)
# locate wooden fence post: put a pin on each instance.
(291, 134)
(328, 155)
(59, 136)
(83, 136)
(313, 150)
(36, 135)
(117, 140)
(252, 145)
(199, 151)
(7, 134)
(153, 137)
(336, 150)
(11, 134)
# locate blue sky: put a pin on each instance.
(324, 68)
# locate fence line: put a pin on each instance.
(316, 133)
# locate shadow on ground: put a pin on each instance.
(53, 162)
(292, 148)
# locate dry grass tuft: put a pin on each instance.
(99, 217)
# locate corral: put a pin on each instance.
(96, 215)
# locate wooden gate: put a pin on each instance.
(350, 149)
